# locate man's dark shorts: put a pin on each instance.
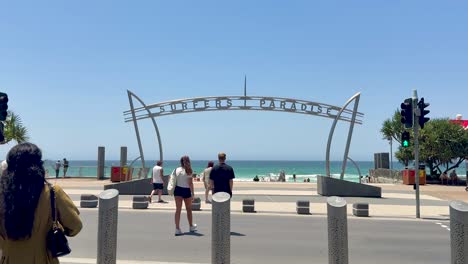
(158, 186)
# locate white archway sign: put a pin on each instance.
(246, 103)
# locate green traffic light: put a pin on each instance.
(405, 143)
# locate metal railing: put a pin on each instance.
(77, 171)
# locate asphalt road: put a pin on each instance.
(149, 236)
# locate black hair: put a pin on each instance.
(21, 187)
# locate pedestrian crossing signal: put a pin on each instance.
(405, 139)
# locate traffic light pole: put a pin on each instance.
(416, 149)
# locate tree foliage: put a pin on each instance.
(442, 145)
(14, 129)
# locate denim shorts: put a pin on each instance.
(182, 192)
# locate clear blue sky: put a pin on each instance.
(66, 66)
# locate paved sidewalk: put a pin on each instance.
(280, 198)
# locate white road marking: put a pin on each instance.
(443, 226)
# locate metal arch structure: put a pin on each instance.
(354, 98)
(249, 103)
(130, 95)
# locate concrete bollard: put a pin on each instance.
(140, 202)
(88, 201)
(248, 206)
(303, 207)
(221, 228)
(361, 209)
(337, 231)
(196, 204)
(107, 227)
(101, 162)
(459, 232)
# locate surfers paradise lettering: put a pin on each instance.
(243, 103)
(256, 103)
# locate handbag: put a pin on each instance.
(57, 243)
(172, 182)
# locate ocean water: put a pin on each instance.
(244, 170)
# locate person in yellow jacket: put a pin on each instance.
(25, 209)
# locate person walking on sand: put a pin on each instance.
(25, 208)
(205, 176)
(184, 192)
(65, 167)
(57, 168)
(221, 176)
(158, 182)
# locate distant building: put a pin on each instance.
(458, 120)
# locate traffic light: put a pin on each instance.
(3, 106)
(422, 119)
(407, 113)
(405, 139)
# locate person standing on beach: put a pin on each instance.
(65, 167)
(205, 175)
(443, 177)
(158, 183)
(57, 168)
(221, 176)
(453, 178)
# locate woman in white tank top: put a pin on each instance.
(184, 192)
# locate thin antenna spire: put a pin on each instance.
(245, 85)
(245, 90)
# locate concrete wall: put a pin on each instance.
(328, 186)
(386, 176)
(136, 187)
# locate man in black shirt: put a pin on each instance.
(221, 176)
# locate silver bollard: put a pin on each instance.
(123, 160)
(107, 227)
(123, 156)
(221, 228)
(101, 161)
(337, 231)
(459, 232)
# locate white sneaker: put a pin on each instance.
(193, 228)
(178, 232)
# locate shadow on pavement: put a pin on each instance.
(236, 234)
(193, 234)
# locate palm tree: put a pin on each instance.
(14, 129)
